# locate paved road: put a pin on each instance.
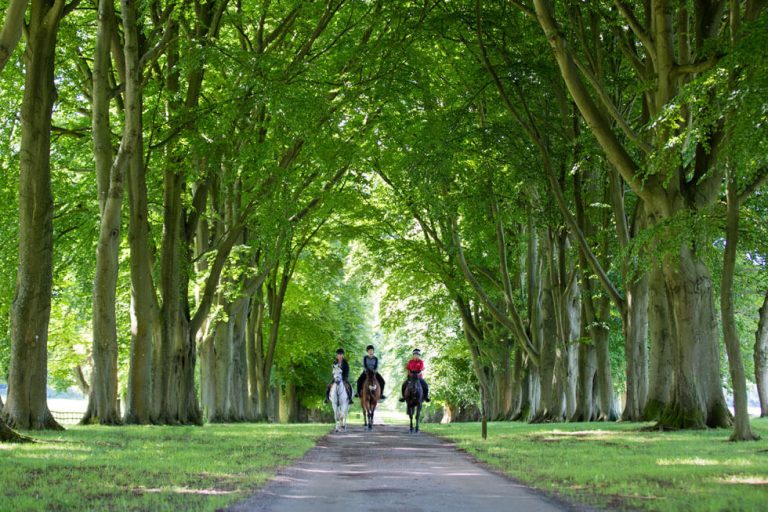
(391, 470)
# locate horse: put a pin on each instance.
(414, 396)
(339, 399)
(370, 393)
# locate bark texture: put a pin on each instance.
(761, 358)
(27, 407)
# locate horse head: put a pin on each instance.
(337, 374)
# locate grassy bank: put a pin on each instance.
(620, 467)
(147, 468)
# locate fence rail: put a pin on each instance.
(67, 418)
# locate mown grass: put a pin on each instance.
(147, 468)
(618, 466)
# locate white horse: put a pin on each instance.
(339, 400)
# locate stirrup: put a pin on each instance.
(401, 399)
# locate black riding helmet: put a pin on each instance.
(369, 347)
(340, 351)
(416, 352)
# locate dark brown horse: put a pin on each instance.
(414, 396)
(370, 393)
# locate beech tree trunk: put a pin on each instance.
(551, 405)
(697, 398)
(585, 405)
(742, 430)
(761, 358)
(661, 374)
(142, 403)
(8, 435)
(636, 349)
(103, 406)
(26, 406)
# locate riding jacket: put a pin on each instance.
(415, 365)
(371, 363)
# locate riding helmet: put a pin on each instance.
(369, 347)
(416, 352)
(340, 351)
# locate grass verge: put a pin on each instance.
(617, 466)
(147, 468)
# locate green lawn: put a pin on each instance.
(147, 468)
(618, 466)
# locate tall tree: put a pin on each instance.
(663, 49)
(103, 406)
(27, 406)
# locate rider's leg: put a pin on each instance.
(402, 391)
(349, 391)
(425, 388)
(360, 380)
(328, 392)
(381, 383)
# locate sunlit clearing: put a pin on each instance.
(744, 479)
(702, 462)
(184, 490)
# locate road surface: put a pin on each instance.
(391, 470)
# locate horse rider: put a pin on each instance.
(415, 364)
(370, 362)
(341, 362)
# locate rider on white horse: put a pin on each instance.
(339, 399)
(342, 363)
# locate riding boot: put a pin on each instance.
(349, 392)
(327, 394)
(402, 393)
(381, 384)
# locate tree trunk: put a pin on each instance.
(255, 320)
(661, 374)
(636, 349)
(8, 435)
(12, 28)
(289, 404)
(697, 396)
(551, 405)
(179, 403)
(572, 325)
(102, 407)
(142, 405)
(27, 407)
(585, 407)
(209, 385)
(238, 368)
(598, 321)
(742, 430)
(761, 358)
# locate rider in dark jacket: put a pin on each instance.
(342, 362)
(370, 362)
